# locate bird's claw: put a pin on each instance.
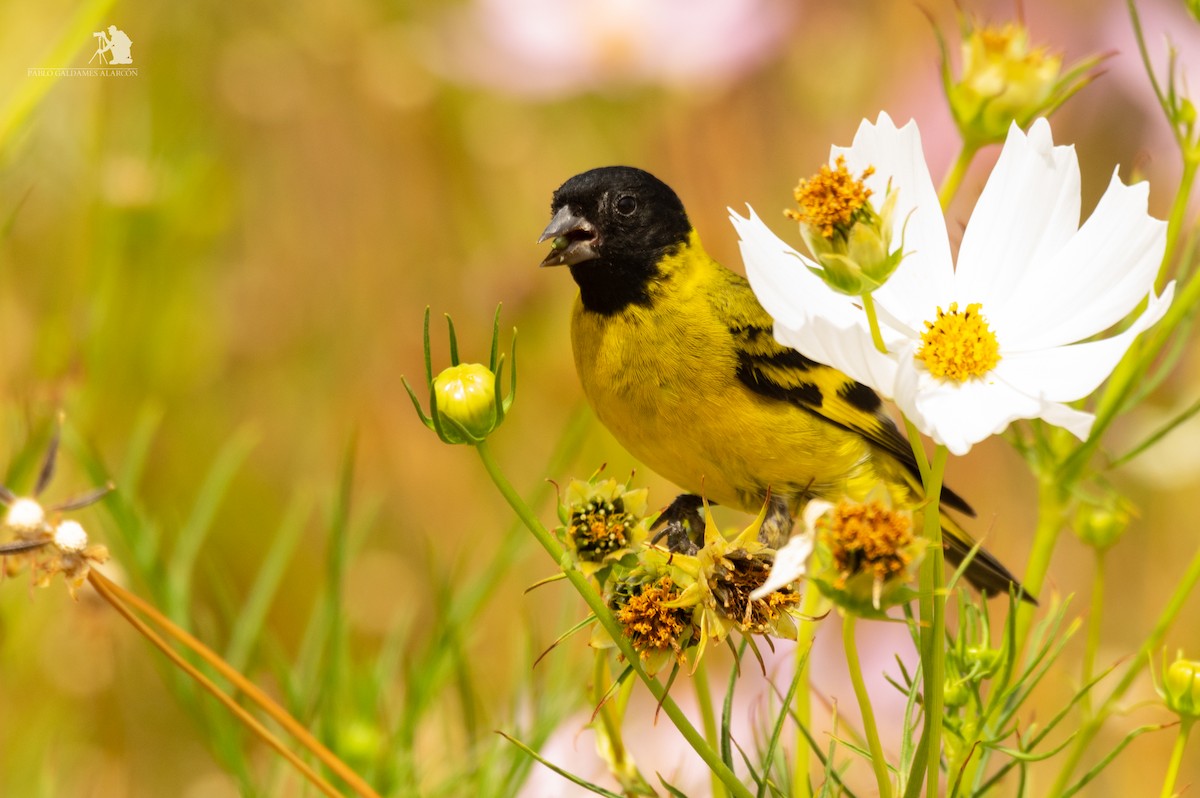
(682, 524)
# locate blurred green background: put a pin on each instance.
(237, 245)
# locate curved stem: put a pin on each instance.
(596, 604)
(1093, 632)
(933, 640)
(873, 322)
(1185, 728)
(956, 174)
(1175, 219)
(1091, 727)
(116, 596)
(708, 718)
(809, 608)
(1051, 506)
(878, 763)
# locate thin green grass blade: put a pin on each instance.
(571, 777)
(253, 612)
(1103, 763)
(182, 562)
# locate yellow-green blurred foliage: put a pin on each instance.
(243, 237)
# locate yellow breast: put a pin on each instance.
(662, 378)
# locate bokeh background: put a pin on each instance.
(235, 248)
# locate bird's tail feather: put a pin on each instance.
(984, 571)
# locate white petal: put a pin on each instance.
(1095, 281)
(959, 415)
(1076, 422)
(927, 273)
(790, 564)
(1026, 213)
(781, 280)
(819, 323)
(848, 349)
(1067, 373)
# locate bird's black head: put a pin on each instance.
(612, 226)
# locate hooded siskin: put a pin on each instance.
(679, 361)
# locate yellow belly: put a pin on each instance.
(666, 387)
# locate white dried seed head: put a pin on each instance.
(25, 515)
(70, 537)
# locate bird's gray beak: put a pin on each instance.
(574, 239)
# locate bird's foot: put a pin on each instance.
(777, 526)
(682, 524)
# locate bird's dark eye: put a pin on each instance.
(626, 204)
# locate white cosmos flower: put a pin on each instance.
(1041, 282)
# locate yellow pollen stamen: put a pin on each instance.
(958, 346)
(831, 200)
(649, 625)
(870, 537)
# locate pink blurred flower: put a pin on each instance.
(549, 48)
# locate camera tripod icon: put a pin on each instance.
(112, 47)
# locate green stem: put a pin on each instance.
(956, 174)
(878, 763)
(1092, 726)
(1176, 218)
(1051, 506)
(933, 619)
(610, 718)
(709, 719)
(810, 607)
(1093, 633)
(873, 322)
(1185, 728)
(596, 604)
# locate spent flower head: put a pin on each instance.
(850, 242)
(646, 600)
(464, 399)
(866, 554)
(603, 521)
(1009, 333)
(43, 540)
(728, 573)
(1005, 79)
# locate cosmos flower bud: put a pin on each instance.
(1005, 79)
(848, 238)
(466, 394)
(1101, 524)
(464, 399)
(1181, 688)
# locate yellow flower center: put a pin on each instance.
(831, 200)
(958, 346)
(870, 537)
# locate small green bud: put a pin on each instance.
(466, 394)
(360, 742)
(1181, 685)
(955, 693)
(983, 662)
(1101, 524)
(464, 400)
(1186, 115)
